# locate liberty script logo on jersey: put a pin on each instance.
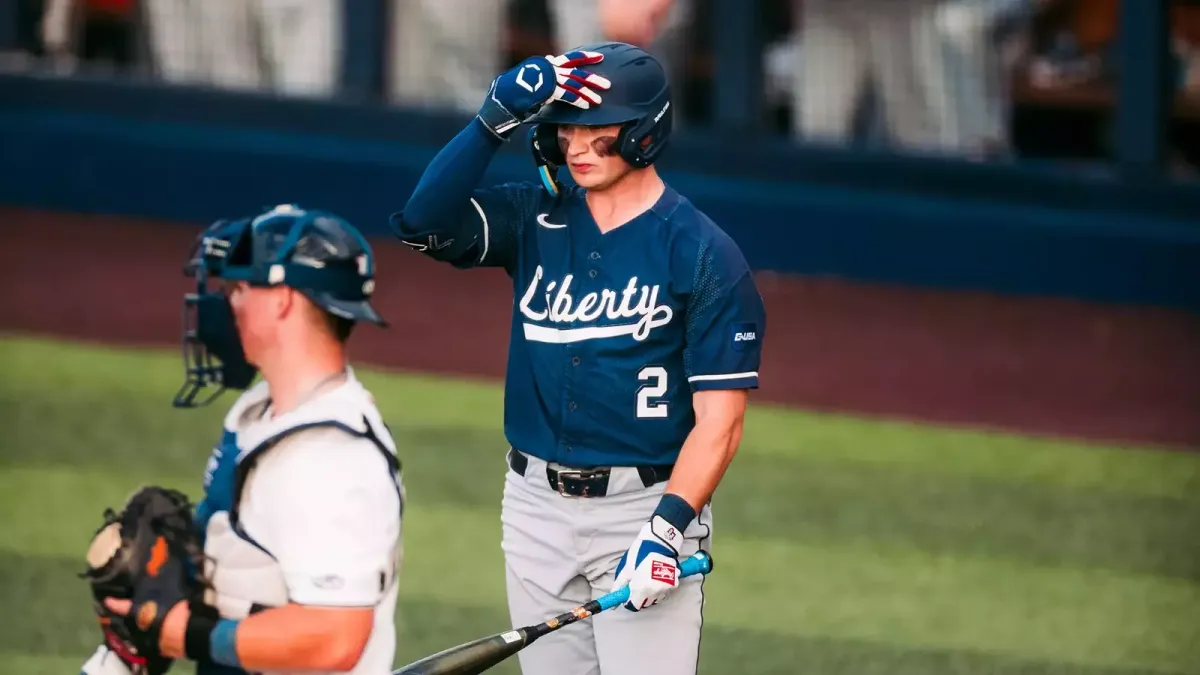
(561, 307)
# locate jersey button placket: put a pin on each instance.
(572, 405)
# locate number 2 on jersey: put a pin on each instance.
(655, 378)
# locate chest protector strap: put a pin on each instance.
(244, 574)
(247, 462)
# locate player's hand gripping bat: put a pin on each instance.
(475, 657)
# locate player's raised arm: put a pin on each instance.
(450, 220)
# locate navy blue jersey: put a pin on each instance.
(611, 333)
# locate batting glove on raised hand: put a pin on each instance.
(651, 565)
(518, 94)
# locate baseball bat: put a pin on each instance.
(477, 656)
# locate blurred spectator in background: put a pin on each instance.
(291, 47)
(931, 68)
(445, 52)
(658, 26)
(177, 40)
(98, 33)
(27, 32)
(974, 49)
(848, 45)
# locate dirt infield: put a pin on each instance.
(1033, 365)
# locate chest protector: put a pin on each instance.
(242, 575)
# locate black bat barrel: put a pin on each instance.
(470, 658)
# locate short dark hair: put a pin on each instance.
(340, 327)
(337, 326)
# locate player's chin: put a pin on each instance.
(593, 179)
(251, 347)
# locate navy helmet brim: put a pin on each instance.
(354, 310)
(557, 112)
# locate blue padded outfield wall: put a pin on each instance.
(193, 156)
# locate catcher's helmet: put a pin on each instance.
(315, 252)
(639, 100)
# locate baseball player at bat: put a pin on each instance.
(636, 332)
(300, 522)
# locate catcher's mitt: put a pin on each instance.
(151, 554)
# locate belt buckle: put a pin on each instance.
(577, 474)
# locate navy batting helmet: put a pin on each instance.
(639, 100)
(315, 252)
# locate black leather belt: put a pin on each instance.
(587, 482)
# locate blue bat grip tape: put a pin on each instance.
(700, 563)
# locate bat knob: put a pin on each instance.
(700, 562)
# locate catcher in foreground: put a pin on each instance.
(290, 561)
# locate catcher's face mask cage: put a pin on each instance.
(212, 349)
(314, 252)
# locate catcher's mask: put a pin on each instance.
(315, 252)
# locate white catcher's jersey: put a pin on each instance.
(315, 520)
(314, 516)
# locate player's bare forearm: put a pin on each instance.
(710, 446)
(292, 637)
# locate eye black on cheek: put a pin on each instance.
(605, 146)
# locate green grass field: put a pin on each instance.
(842, 545)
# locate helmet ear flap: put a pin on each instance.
(544, 138)
(629, 144)
(641, 141)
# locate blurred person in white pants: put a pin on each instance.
(445, 52)
(847, 45)
(292, 47)
(658, 26)
(940, 82)
(177, 43)
(976, 119)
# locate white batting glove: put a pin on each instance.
(654, 570)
